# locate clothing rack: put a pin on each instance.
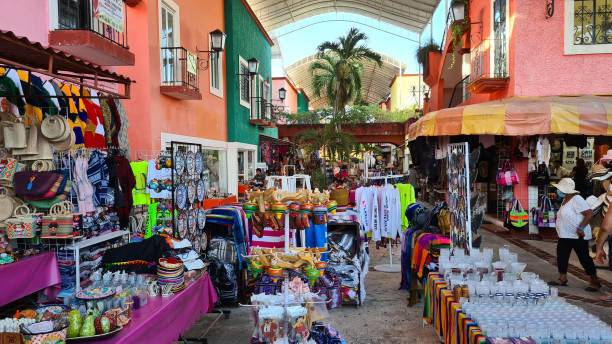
(391, 268)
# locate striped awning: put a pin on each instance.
(521, 116)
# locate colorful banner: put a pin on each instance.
(111, 13)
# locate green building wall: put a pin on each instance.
(302, 102)
(244, 39)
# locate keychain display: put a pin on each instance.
(459, 195)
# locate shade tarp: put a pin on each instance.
(521, 116)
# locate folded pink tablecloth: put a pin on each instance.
(162, 320)
(28, 276)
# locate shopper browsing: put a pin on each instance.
(574, 233)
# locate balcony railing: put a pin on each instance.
(461, 92)
(81, 15)
(489, 59)
(489, 66)
(179, 68)
(262, 112)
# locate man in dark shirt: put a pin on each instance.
(579, 175)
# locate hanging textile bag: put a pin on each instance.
(60, 221)
(519, 218)
(539, 177)
(547, 218)
(37, 185)
(507, 176)
(22, 225)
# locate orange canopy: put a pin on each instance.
(521, 116)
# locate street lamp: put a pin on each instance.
(253, 66)
(217, 45)
(458, 10)
(217, 40)
(282, 94)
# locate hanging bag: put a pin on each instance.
(519, 218)
(547, 217)
(22, 225)
(507, 176)
(60, 221)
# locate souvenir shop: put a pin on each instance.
(513, 164)
(277, 153)
(90, 247)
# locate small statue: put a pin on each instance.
(269, 329)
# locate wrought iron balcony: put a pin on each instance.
(489, 66)
(263, 113)
(180, 74)
(85, 29)
(461, 92)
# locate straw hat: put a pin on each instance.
(567, 186)
(599, 172)
(594, 202)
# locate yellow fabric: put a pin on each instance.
(564, 119)
(71, 104)
(484, 118)
(608, 108)
(33, 114)
(429, 123)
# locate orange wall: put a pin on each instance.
(151, 112)
(290, 102)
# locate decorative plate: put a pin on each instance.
(193, 221)
(53, 309)
(179, 162)
(190, 163)
(200, 190)
(201, 219)
(197, 245)
(181, 225)
(95, 293)
(180, 196)
(199, 163)
(203, 241)
(191, 191)
(95, 337)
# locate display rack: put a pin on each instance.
(83, 244)
(183, 178)
(391, 268)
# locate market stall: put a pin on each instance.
(28, 276)
(473, 299)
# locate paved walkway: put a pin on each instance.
(385, 316)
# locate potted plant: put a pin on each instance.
(458, 30)
(423, 53)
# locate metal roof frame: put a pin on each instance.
(411, 15)
(374, 81)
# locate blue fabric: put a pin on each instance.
(406, 259)
(98, 175)
(238, 229)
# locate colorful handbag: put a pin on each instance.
(35, 185)
(507, 176)
(60, 221)
(546, 216)
(519, 218)
(22, 225)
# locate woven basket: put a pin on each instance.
(341, 196)
(61, 218)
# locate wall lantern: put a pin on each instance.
(253, 66)
(458, 8)
(217, 44)
(282, 94)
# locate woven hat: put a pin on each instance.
(567, 186)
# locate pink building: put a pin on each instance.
(511, 48)
(290, 103)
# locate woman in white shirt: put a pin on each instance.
(574, 233)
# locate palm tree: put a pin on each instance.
(338, 71)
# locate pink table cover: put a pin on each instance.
(28, 276)
(162, 320)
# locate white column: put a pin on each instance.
(232, 170)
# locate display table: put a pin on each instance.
(218, 202)
(162, 320)
(28, 276)
(442, 310)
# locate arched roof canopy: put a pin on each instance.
(375, 81)
(411, 15)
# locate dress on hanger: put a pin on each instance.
(84, 188)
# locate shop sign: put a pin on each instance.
(192, 63)
(111, 13)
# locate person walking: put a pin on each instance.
(579, 175)
(574, 233)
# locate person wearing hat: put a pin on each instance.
(574, 233)
(605, 232)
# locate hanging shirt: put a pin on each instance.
(407, 197)
(367, 205)
(94, 127)
(98, 174)
(139, 193)
(160, 175)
